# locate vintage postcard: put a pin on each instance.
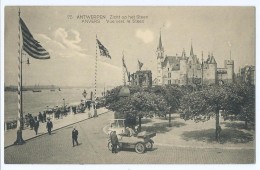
(129, 85)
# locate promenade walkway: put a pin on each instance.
(10, 135)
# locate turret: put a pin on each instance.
(160, 49)
(229, 64)
(160, 59)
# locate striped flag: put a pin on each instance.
(103, 50)
(30, 45)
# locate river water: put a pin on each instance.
(34, 102)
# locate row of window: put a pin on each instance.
(174, 81)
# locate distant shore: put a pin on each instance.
(13, 88)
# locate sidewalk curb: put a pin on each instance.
(57, 129)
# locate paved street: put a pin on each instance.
(57, 149)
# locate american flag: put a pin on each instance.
(30, 45)
(103, 50)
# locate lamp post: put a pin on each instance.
(47, 111)
(63, 103)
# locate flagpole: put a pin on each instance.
(202, 71)
(123, 69)
(19, 138)
(95, 93)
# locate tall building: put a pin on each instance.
(189, 70)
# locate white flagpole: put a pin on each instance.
(95, 93)
(19, 139)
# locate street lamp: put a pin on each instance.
(64, 104)
(47, 111)
(84, 94)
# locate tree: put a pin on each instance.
(201, 105)
(242, 104)
(172, 94)
(234, 99)
(140, 103)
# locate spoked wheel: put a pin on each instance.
(109, 146)
(149, 145)
(140, 147)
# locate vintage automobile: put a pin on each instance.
(141, 142)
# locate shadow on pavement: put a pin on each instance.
(226, 135)
(157, 127)
(178, 124)
(162, 127)
(238, 125)
(145, 121)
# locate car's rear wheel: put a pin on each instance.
(140, 148)
(149, 145)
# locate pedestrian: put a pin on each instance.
(40, 117)
(114, 141)
(44, 116)
(31, 121)
(49, 126)
(36, 125)
(75, 134)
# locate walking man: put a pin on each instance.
(75, 136)
(36, 125)
(114, 141)
(49, 126)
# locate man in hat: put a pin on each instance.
(49, 126)
(114, 141)
(75, 134)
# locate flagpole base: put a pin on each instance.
(19, 139)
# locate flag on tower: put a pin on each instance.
(32, 46)
(103, 50)
(140, 65)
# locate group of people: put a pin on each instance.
(34, 122)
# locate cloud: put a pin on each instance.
(69, 39)
(63, 43)
(146, 35)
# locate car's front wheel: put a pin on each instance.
(149, 145)
(140, 148)
(109, 146)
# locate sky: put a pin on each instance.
(71, 42)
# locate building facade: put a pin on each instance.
(246, 75)
(142, 78)
(189, 70)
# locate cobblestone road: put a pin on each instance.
(57, 149)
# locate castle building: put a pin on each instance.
(189, 70)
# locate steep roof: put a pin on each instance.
(171, 59)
